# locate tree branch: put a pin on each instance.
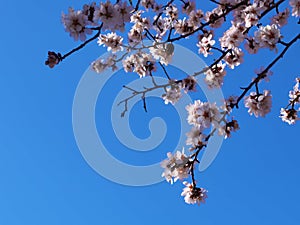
(262, 74)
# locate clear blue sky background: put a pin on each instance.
(45, 180)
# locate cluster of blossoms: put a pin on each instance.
(205, 43)
(141, 63)
(162, 52)
(112, 41)
(75, 23)
(174, 92)
(290, 114)
(193, 195)
(259, 104)
(165, 24)
(214, 76)
(178, 167)
(205, 115)
(202, 115)
(113, 17)
(100, 65)
(267, 36)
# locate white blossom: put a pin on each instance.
(234, 57)
(195, 137)
(172, 12)
(124, 12)
(252, 14)
(289, 115)
(229, 103)
(175, 166)
(228, 128)
(193, 195)
(162, 25)
(162, 52)
(75, 23)
(140, 23)
(113, 16)
(295, 93)
(203, 114)
(214, 76)
(214, 18)
(105, 13)
(182, 26)
(233, 37)
(204, 44)
(259, 104)
(112, 41)
(281, 18)
(173, 94)
(194, 19)
(135, 36)
(263, 4)
(102, 64)
(142, 63)
(239, 15)
(268, 36)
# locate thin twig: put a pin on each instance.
(164, 69)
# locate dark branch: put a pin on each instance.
(262, 74)
(83, 44)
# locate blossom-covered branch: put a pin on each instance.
(55, 58)
(263, 74)
(124, 27)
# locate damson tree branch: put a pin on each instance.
(144, 103)
(262, 74)
(195, 156)
(137, 6)
(171, 24)
(164, 86)
(218, 3)
(160, 14)
(136, 93)
(227, 11)
(264, 13)
(223, 15)
(84, 43)
(293, 102)
(272, 6)
(165, 71)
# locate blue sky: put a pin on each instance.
(45, 180)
